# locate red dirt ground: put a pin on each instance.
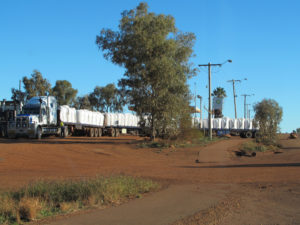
(22, 161)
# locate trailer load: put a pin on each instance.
(243, 127)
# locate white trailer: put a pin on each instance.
(243, 127)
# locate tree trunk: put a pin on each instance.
(152, 138)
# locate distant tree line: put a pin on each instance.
(102, 99)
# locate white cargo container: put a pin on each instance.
(225, 123)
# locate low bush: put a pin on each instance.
(47, 198)
(251, 146)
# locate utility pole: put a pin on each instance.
(234, 95)
(209, 65)
(245, 104)
(248, 111)
(195, 98)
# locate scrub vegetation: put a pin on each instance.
(188, 138)
(48, 198)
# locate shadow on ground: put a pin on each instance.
(245, 166)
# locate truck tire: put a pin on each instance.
(248, 134)
(39, 133)
(66, 132)
(99, 132)
(2, 133)
(113, 132)
(255, 134)
(92, 132)
(96, 132)
(117, 132)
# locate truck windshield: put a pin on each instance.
(31, 110)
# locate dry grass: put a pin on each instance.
(42, 199)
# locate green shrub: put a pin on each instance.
(251, 146)
(191, 134)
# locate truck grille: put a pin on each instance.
(22, 122)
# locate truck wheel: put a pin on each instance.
(66, 132)
(39, 133)
(117, 133)
(99, 132)
(96, 132)
(2, 133)
(256, 134)
(91, 133)
(113, 132)
(248, 134)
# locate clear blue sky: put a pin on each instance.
(58, 39)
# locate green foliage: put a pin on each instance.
(219, 92)
(64, 92)
(107, 99)
(156, 58)
(18, 96)
(298, 130)
(251, 146)
(187, 138)
(36, 85)
(268, 115)
(83, 103)
(47, 198)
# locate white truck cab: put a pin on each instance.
(38, 117)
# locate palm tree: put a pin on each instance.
(219, 92)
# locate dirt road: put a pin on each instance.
(268, 179)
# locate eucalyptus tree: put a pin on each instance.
(156, 60)
(82, 102)
(268, 115)
(107, 99)
(36, 85)
(64, 92)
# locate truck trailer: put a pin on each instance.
(245, 128)
(41, 116)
